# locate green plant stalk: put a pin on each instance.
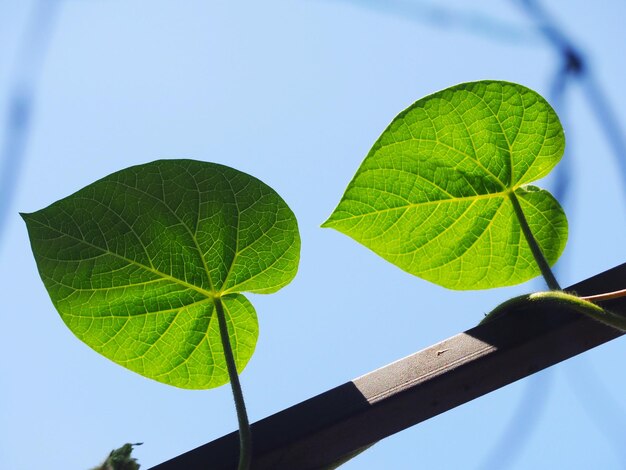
(544, 267)
(245, 436)
(559, 299)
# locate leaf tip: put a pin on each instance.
(27, 217)
(328, 223)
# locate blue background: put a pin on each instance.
(293, 92)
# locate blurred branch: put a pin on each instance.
(21, 101)
(469, 21)
(574, 66)
(564, 170)
(603, 409)
(608, 121)
(521, 425)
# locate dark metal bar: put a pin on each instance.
(339, 422)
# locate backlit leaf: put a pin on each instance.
(133, 262)
(433, 194)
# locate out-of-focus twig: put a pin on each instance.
(576, 68)
(21, 101)
(601, 406)
(507, 449)
(470, 21)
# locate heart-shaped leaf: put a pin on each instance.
(433, 196)
(134, 261)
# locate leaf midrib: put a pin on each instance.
(500, 194)
(189, 231)
(495, 116)
(131, 261)
(215, 292)
(232, 263)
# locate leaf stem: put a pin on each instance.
(606, 296)
(543, 264)
(245, 436)
(559, 299)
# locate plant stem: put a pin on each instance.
(245, 436)
(559, 299)
(606, 296)
(544, 267)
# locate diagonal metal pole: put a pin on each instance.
(337, 423)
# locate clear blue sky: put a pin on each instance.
(294, 92)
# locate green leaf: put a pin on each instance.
(133, 262)
(433, 196)
(120, 459)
